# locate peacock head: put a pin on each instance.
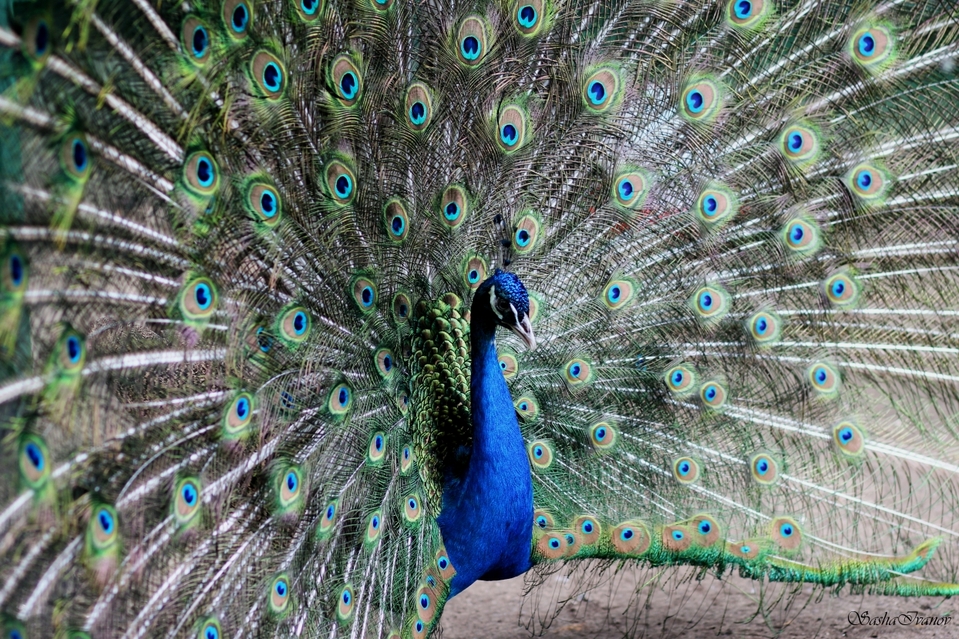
(509, 302)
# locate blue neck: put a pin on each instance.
(487, 516)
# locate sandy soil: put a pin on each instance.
(691, 610)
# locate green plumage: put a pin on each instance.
(239, 246)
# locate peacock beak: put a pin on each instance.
(525, 332)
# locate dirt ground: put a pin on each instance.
(691, 610)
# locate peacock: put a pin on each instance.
(256, 254)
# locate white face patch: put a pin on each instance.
(492, 302)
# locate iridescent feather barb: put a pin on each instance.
(252, 267)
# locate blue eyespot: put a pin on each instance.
(366, 296)
(587, 527)
(200, 41)
(268, 204)
(16, 270)
(443, 563)
(105, 519)
(210, 632)
(344, 186)
(615, 292)
(795, 142)
(508, 134)
(678, 535)
(625, 189)
(272, 76)
(710, 204)
(626, 534)
(349, 85)
(330, 511)
(538, 452)
(542, 522)
(452, 211)
(600, 434)
(189, 494)
(424, 602)
(762, 466)
(42, 38)
(74, 350)
(522, 238)
(867, 44)
(243, 408)
(796, 234)
(473, 276)
(838, 288)
(710, 393)
(80, 158)
(240, 18)
(347, 598)
(419, 626)
(378, 442)
(300, 323)
(470, 48)
(291, 481)
(309, 7)
(695, 101)
(677, 378)
(344, 396)
(684, 468)
(204, 172)
(744, 8)
(523, 406)
(704, 527)
(761, 325)
(203, 296)
(705, 300)
(786, 530)
(281, 588)
(418, 113)
(412, 504)
(35, 455)
(821, 375)
(526, 16)
(597, 92)
(264, 341)
(406, 453)
(398, 225)
(375, 522)
(864, 180)
(846, 435)
(554, 543)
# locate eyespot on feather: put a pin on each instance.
(764, 469)
(264, 202)
(186, 500)
(710, 303)
(447, 571)
(552, 546)
(526, 234)
(474, 272)
(508, 364)
(198, 299)
(602, 89)
(328, 519)
(748, 549)
(294, 325)
(402, 308)
(71, 352)
(681, 379)
(201, 174)
(289, 486)
(631, 538)
(308, 10)
(196, 40)
(364, 292)
(841, 290)
(630, 188)
(377, 449)
(603, 436)
(512, 128)
(412, 508)
(540, 454)
(764, 327)
(705, 531)
(799, 144)
(345, 604)
(588, 528)
(419, 106)
(618, 294)
(867, 182)
(748, 14)
(385, 362)
(786, 533)
(527, 408)
(578, 372)
(824, 378)
(713, 394)
(542, 519)
(700, 100)
(406, 459)
(209, 628)
(873, 47)
(528, 17)
(849, 439)
(75, 157)
(237, 416)
(686, 470)
(280, 594)
(396, 219)
(15, 271)
(237, 17)
(341, 400)
(37, 40)
(346, 79)
(801, 236)
(676, 538)
(715, 206)
(103, 528)
(34, 462)
(454, 206)
(340, 182)
(426, 601)
(471, 41)
(268, 74)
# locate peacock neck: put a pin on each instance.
(486, 520)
